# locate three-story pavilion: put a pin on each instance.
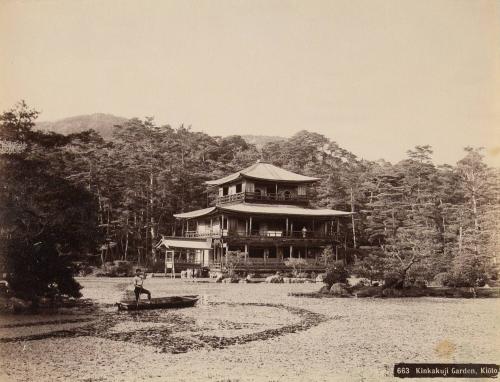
(262, 211)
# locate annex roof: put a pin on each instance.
(264, 209)
(264, 171)
(178, 243)
(196, 213)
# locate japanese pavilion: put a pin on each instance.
(262, 211)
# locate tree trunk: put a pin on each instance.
(152, 219)
(352, 220)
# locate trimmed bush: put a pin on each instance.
(393, 280)
(336, 273)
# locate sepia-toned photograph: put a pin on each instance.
(249, 190)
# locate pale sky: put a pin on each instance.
(377, 76)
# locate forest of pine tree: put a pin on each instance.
(101, 200)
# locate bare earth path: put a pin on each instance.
(245, 332)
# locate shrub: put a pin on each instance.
(441, 279)
(393, 280)
(469, 272)
(362, 283)
(37, 270)
(420, 283)
(297, 265)
(233, 260)
(336, 273)
(371, 267)
(370, 291)
(119, 268)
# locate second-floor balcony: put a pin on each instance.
(266, 234)
(247, 196)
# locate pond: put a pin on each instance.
(244, 332)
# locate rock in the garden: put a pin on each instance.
(325, 289)
(392, 292)
(320, 278)
(369, 292)
(287, 280)
(274, 279)
(339, 289)
(6, 305)
(20, 305)
(45, 302)
(219, 278)
(243, 281)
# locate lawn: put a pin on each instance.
(245, 332)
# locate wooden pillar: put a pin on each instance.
(246, 226)
(222, 225)
(291, 228)
(250, 227)
(291, 252)
(246, 252)
(211, 226)
(286, 226)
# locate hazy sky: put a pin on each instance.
(377, 76)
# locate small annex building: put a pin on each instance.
(262, 211)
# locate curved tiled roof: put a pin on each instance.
(264, 171)
(263, 209)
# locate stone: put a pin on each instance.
(339, 289)
(6, 305)
(320, 278)
(20, 305)
(274, 279)
(369, 292)
(219, 278)
(45, 301)
(325, 289)
(229, 280)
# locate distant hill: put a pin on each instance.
(104, 123)
(100, 122)
(261, 140)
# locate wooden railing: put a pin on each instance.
(258, 197)
(267, 233)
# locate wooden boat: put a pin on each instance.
(171, 302)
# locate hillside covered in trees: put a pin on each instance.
(103, 200)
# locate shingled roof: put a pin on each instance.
(264, 171)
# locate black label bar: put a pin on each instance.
(445, 370)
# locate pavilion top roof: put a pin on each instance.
(264, 171)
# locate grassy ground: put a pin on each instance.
(245, 332)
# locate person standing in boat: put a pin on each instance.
(138, 285)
